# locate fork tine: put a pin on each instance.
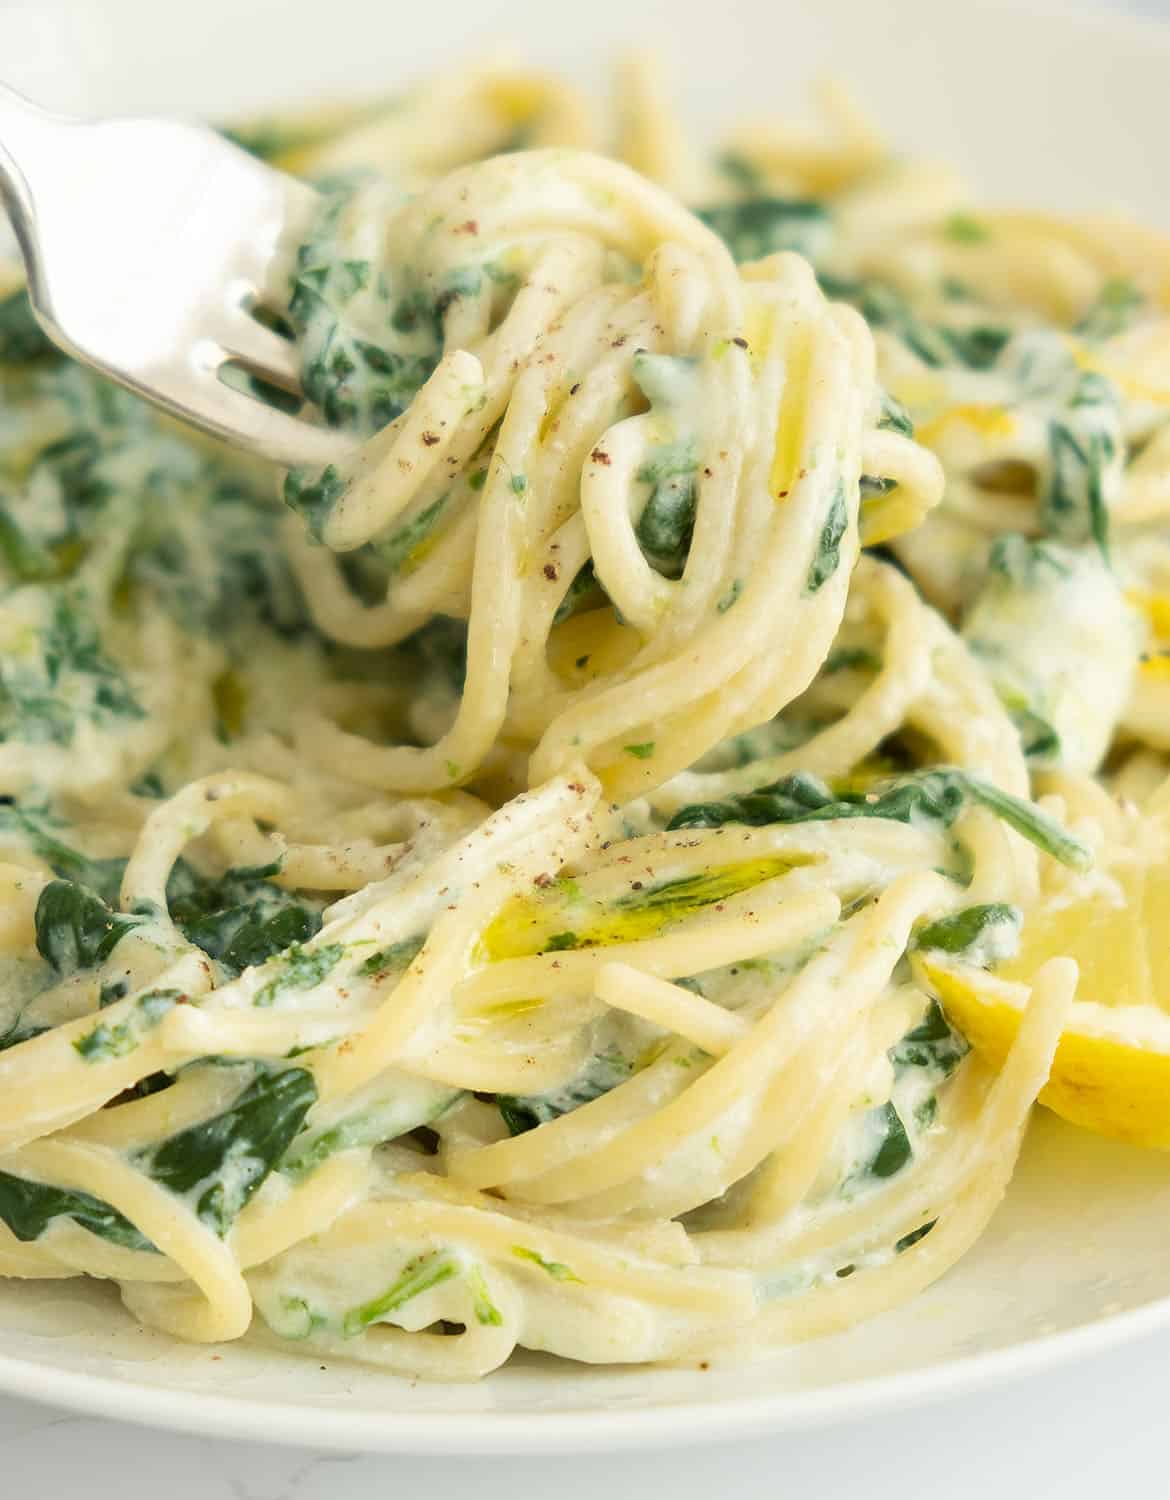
(263, 351)
(246, 421)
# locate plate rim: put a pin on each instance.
(540, 1432)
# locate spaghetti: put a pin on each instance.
(473, 907)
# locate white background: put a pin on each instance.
(1095, 1428)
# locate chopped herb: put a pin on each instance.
(828, 550)
(419, 1276)
(486, 1311)
(730, 597)
(554, 1268)
(389, 960)
(914, 1236)
(640, 752)
(966, 230)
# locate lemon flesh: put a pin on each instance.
(1111, 1072)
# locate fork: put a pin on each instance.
(150, 247)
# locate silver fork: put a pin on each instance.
(150, 245)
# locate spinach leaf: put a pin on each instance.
(526, 1112)
(760, 226)
(980, 933)
(314, 498)
(26, 559)
(32, 822)
(437, 654)
(667, 522)
(220, 1163)
(977, 346)
(28, 1208)
(75, 928)
(932, 798)
(241, 919)
(893, 1150)
(396, 549)
(110, 1039)
(933, 1043)
(383, 1114)
(1115, 310)
(895, 417)
(366, 347)
(583, 590)
(44, 694)
(1039, 739)
(302, 969)
(72, 645)
(19, 1032)
(1081, 450)
(22, 339)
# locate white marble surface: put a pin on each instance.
(1094, 1427)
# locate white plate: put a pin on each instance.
(1057, 109)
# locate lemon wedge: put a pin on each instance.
(1111, 1072)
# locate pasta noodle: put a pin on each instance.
(476, 905)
